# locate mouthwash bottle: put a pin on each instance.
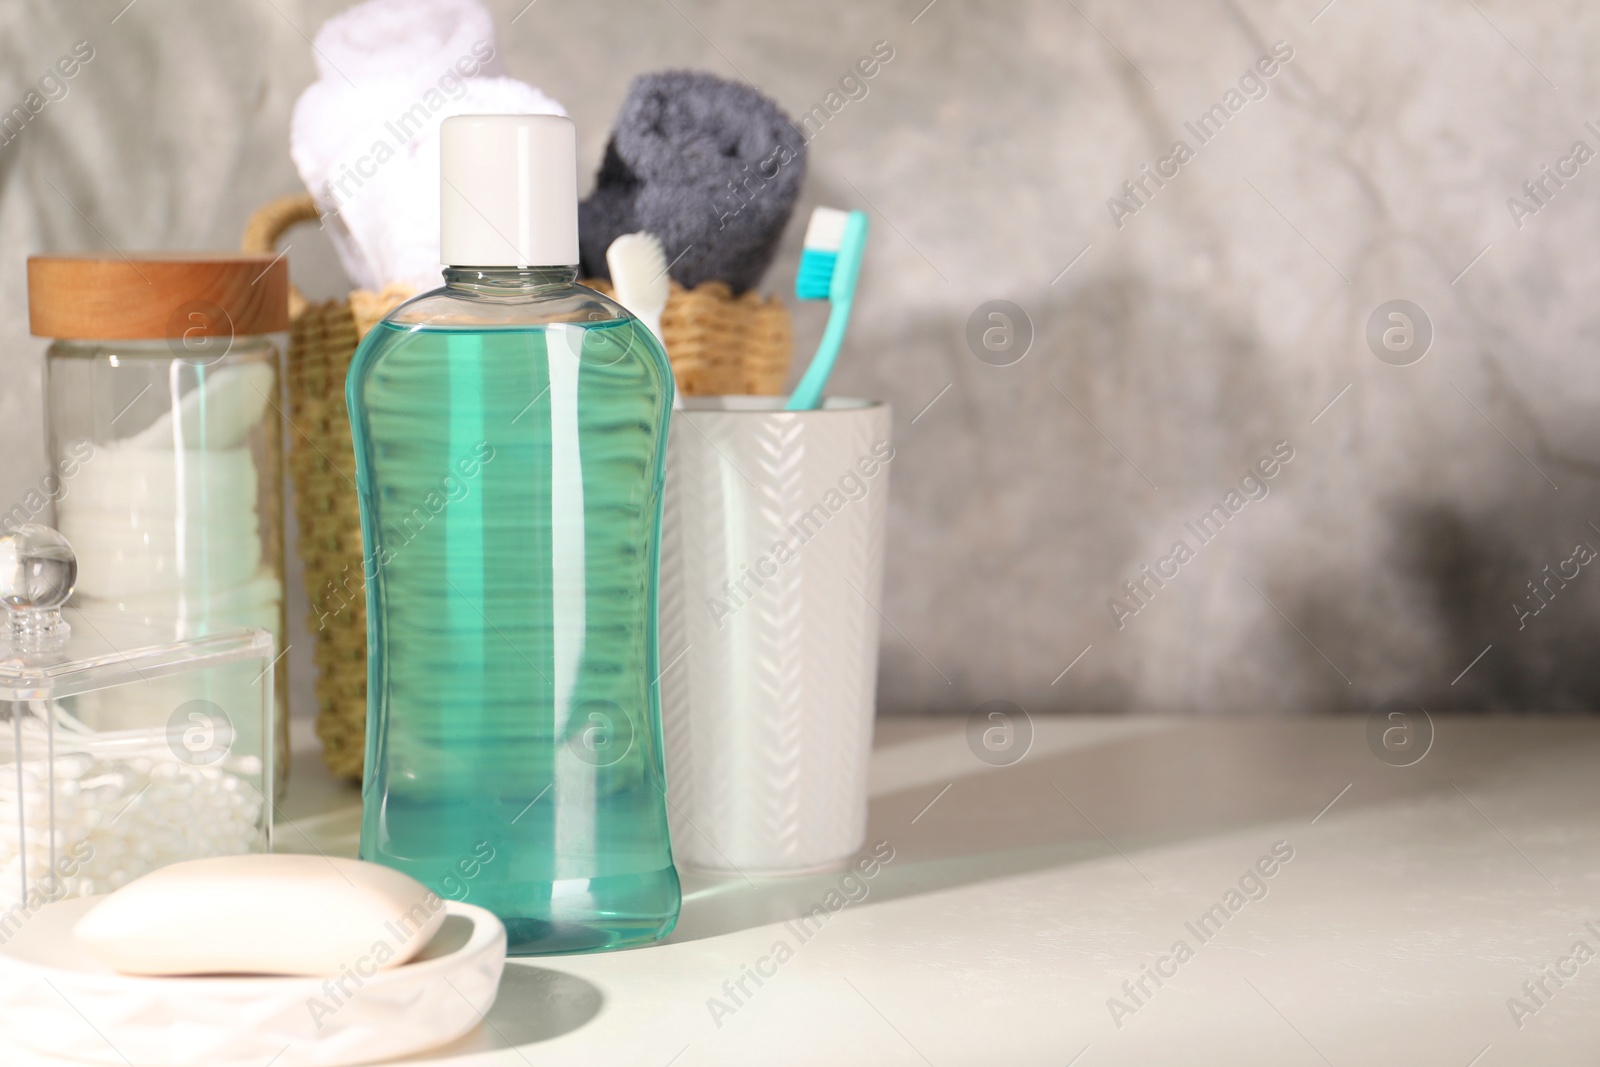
(510, 431)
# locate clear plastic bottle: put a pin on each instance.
(510, 434)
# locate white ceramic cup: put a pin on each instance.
(771, 576)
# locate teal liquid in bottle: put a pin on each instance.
(510, 434)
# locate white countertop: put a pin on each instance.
(1020, 901)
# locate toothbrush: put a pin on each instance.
(638, 266)
(830, 263)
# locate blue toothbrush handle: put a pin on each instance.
(807, 394)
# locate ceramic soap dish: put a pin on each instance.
(60, 1004)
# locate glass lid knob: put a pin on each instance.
(38, 571)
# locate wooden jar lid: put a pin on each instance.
(195, 294)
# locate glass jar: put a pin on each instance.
(125, 744)
(162, 411)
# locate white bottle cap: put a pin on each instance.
(508, 191)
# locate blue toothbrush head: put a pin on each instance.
(830, 235)
(816, 274)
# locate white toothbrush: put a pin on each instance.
(638, 266)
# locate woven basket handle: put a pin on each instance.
(271, 221)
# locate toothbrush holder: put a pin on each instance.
(771, 573)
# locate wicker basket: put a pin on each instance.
(718, 344)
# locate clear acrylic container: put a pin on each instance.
(123, 746)
(163, 419)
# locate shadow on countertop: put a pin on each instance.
(1174, 781)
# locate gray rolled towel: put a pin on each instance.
(710, 166)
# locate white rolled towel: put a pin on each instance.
(377, 179)
(402, 39)
(367, 147)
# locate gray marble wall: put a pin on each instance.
(1179, 335)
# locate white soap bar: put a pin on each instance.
(263, 914)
